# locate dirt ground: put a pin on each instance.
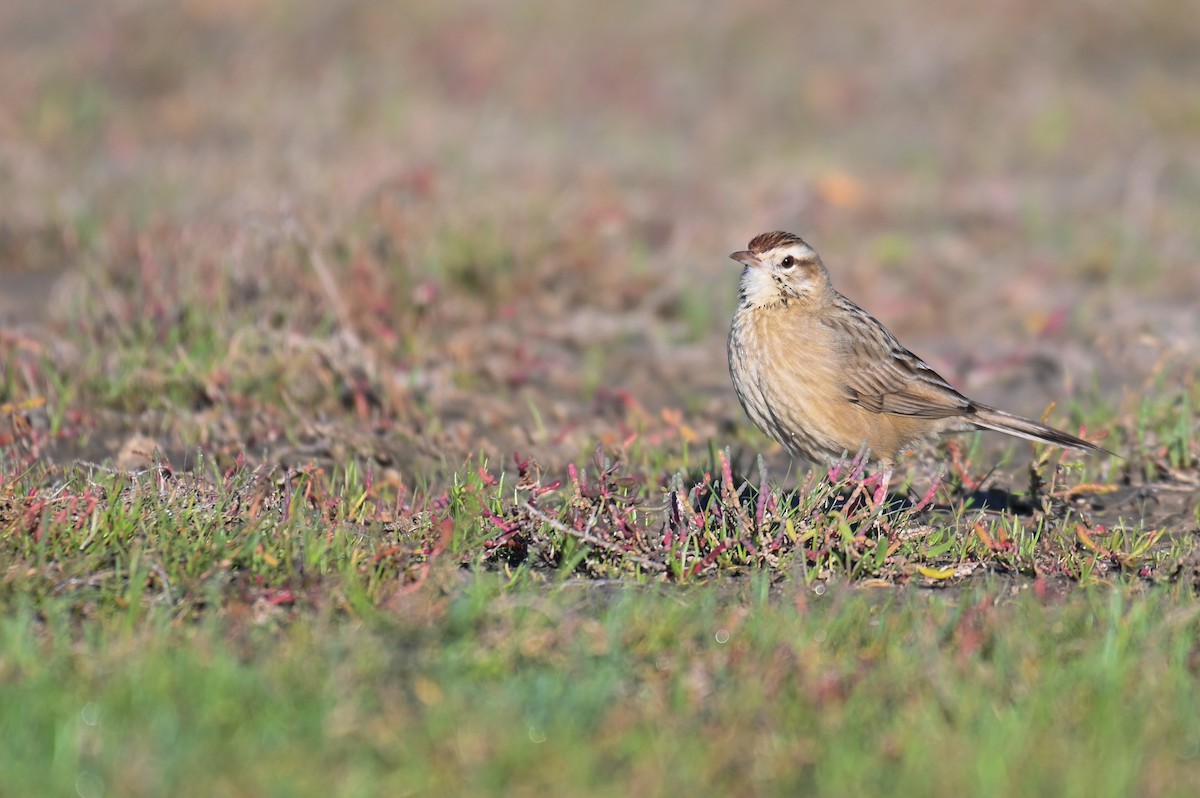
(408, 234)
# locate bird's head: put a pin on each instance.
(780, 267)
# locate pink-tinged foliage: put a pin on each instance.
(711, 524)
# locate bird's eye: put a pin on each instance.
(787, 262)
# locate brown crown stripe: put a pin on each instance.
(768, 241)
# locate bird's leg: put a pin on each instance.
(872, 490)
(848, 472)
(876, 500)
(884, 478)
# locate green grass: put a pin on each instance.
(582, 689)
(108, 541)
(296, 632)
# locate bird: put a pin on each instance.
(825, 378)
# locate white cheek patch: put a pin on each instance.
(758, 287)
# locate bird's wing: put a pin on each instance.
(882, 376)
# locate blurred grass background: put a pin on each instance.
(1011, 188)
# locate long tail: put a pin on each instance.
(991, 418)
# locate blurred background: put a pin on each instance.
(486, 225)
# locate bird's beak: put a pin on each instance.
(747, 258)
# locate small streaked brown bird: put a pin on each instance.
(825, 378)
